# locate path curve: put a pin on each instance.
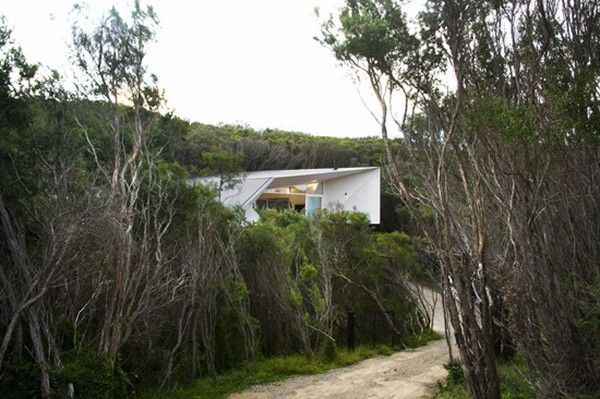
(410, 374)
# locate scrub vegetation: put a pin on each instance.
(513, 382)
(118, 277)
(278, 368)
(500, 120)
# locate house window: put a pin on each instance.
(305, 197)
(275, 203)
(308, 188)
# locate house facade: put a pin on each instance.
(305, 190)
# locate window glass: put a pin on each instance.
(310, 188)
(283, 190)
(298, 189)
(313, 202)
(275, 203)
(314, 188)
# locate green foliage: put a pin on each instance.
(49, 136)
(494, 116)
(92, 375)
(221, 162)
(268, 370)
(402, 251)
(308, 272)
(328, 351)
(586, 297)
(277, 149)
(372, 30)
(415, 341)
(259, 243)
(295, 297)
(294, 256)
(229, 340)
(456, 374)
(375, 35)
(282, 218)
(237, 290)
(513, 384)
(426, 212)
(168, 134)
(111, 55)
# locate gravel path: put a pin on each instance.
(409, 374)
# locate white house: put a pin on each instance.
(305, 190)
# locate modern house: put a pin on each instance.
(305, 190)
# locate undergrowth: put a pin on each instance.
(274, 369)
(513, 384)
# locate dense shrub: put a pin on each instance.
(456, 374)
(20, 379)
(108, 246)
(328, 351)
(92, 375)
(306, 276)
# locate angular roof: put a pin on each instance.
(289, 177)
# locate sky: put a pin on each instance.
(249, 62)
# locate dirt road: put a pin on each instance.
(409, 374)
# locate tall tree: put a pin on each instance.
(111, 58)
(488, 149)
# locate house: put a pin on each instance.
(306, 190)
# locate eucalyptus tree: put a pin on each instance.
(498, 105)
(111, 58)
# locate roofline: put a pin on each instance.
(260, 174)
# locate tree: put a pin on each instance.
(226, 166)
(486, 159)
(111, 59)
(27, 276)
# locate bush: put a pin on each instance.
(328, 351)
(92, 375)
(456, 375)
(513, 384)
(20, 379)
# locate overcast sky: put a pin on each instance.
(251, 62)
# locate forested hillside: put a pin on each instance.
(274, 149)
(117, 276)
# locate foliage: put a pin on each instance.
(268, 370)
(92, 375)
(513, 383)
(328, 351)
(224, 164)
(20, 379)
(495, 168)
(120, 276)
(417, 340)
(317, 269)
(456, 375)
(403, 252)
(276, 149)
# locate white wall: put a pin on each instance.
(251, 214)
(360, 192)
